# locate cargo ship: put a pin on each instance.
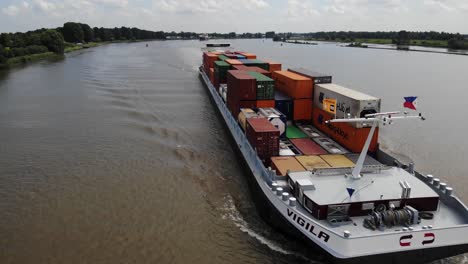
(316, 171)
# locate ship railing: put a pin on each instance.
(347, 170)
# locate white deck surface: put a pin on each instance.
(371, 187)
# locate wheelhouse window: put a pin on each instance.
(308, 204)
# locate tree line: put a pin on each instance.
(82, 33)
(54, 40)
(454, 40)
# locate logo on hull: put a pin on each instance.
(405, 241)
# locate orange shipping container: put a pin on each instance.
(302, 109)
(212, 75)
(265, 103)
(233, 62)
(348, 136)
(273, 66)
(247, 54)
(284, 164)
(292, 84)
(208, 60)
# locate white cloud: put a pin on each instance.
(44, 5)
(301, 9)
(448, 5)
(11, 10)
(112, 3)
(209, 6)
(239, 15)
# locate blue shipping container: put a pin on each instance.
(284, 104)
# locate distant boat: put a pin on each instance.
(146, 45)
(203, 37)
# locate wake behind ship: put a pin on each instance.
(324, 179)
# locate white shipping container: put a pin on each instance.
(348, 101)
(275, 118)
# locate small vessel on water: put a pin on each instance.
(316, 169)
(203, 37)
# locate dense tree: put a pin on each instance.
(72, 32)
(457, 42)
(3, 58)
(88, 33)
(53, 40)
(5, 40)
(270, 34)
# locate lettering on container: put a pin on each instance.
(308, 226)
(340, 106)
(338, 131)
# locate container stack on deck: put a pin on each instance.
(264, 137)
(299, 88)
(271, 103)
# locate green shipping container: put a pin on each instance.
(294, 132)
(220, 71)
(255, 62)
(265, 86)
(222, 58)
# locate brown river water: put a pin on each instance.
(116, 155)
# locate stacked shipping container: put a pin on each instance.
(299, 88)
(220, 72)
(249, 86)
(316, 77)
(348, 136)
(241, 92)
(263, 137)
(242, 67)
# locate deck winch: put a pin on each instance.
(383, 217)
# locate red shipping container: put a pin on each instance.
(308, 147)
(247, 104)
(252, 68)
(263, 137)
(273, 66)
(241, 85)
(302, 109)
(348, 136)
(293, 85)
(265, 103)
(235, 106)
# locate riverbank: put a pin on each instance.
(413, 42)
(69, 47)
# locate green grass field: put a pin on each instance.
(29, 58)
(69, 47)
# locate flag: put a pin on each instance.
(329, 105)
(410, 102)
(350, 191)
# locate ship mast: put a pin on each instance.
(385, 118)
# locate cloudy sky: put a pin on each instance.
(239, 15)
